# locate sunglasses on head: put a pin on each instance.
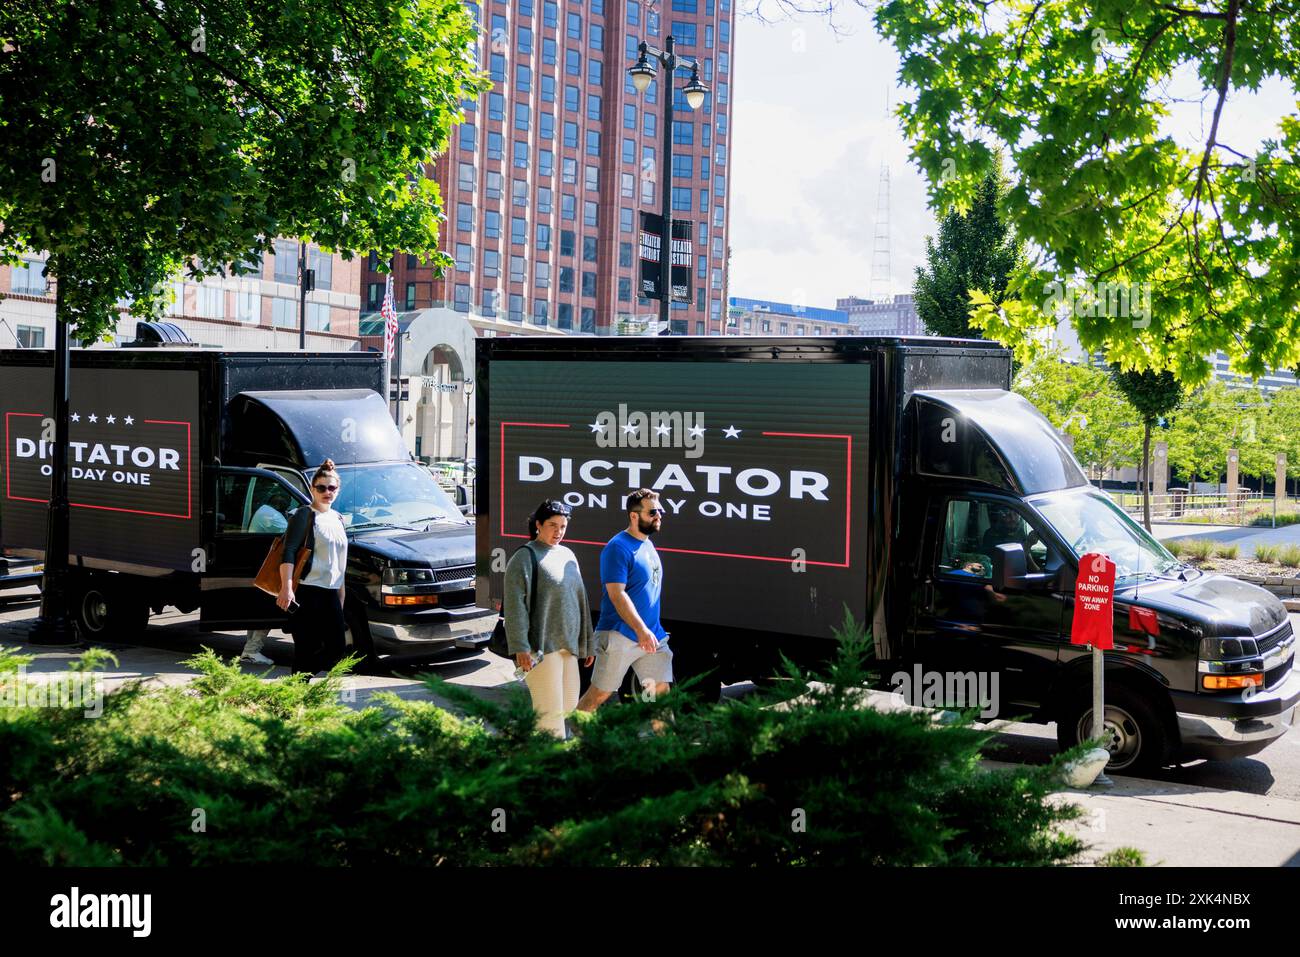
(326, 488)
(556, 508)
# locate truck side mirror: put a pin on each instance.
(1009, 566)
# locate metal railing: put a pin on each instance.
(1242, 507)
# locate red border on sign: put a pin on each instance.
(848, 498)
(189, 474)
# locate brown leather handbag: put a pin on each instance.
(268, 576)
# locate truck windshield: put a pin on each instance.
(398, 494)
(1088, 521)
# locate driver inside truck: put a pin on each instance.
(1006, 527)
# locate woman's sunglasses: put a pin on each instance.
(326, 488)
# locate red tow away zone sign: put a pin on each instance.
(1094, 621)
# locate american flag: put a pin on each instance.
(390, 320)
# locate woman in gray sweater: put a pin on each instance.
(548, 638)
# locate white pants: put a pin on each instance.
(554, 685)
(253, 645)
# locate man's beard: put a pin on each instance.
(647, 528)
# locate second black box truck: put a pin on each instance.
(182, 466)
(897, 478)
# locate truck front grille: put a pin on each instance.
(1270, 640)
(455, 573)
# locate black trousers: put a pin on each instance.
(317, 628)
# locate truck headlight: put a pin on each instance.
(394, 575)
(1216, 649)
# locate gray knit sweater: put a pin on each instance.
(562, 619)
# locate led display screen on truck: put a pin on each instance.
(133, 478)
(761, 468)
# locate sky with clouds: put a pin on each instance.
(811, 134)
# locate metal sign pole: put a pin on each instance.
(1099, 706)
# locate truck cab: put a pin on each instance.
(1202, 664)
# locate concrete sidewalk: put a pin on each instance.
(1175, 825)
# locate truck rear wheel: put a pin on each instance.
(105, 612)
(1135, 736)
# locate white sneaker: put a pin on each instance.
(257, 658)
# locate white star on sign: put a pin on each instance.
(112, 420)
(129, 421)
(76, 417)
(731, 432)
(697, 430)
(93, 417)
(629, 429)
(598, 427)
(662, 430)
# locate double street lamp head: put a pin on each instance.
(644, 71)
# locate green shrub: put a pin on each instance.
(1289, 555)
(1198, 549)
(284, 773)
(1177, 547)
(1266, 553)
(1266, 520)
(1226, 550)
(1123, 857)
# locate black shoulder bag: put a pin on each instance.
(498, 644)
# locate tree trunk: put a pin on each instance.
(1146, 474)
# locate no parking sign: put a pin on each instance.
(1094, 622)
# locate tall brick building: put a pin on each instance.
(544, 181)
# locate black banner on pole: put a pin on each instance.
(683, 262)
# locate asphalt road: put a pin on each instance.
(173, 637)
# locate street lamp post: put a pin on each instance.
(643, 71)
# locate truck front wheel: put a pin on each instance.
(1134, 734)
(108, 613)
(357, 639)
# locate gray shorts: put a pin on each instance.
(615, 653)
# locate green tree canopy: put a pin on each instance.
(975, 251)
(1214, 418)
(1202, 235)
(138, 138)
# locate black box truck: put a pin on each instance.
(182, 466)
(897, 478)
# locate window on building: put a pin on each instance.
(629, 116)
(521, 116)
(523, 79)
(490, 299)
(724, 31)
(567, 240)
(701, 264)
(624, 254)
(464, 259)
(542, 275)
(464, 216)
(682, 198)
(631, 48)
(683, 166)
(284, 313)
(592, 178)
(524, 39)
(648, 124)
(518, 230)
(546, 129)
(597, 37)
(683, 132)
(719, 184)
(708, 69)
(566, 279)
(684, 33)
(539, 312)
(652, 92)
(461, 298)
(492, 225)
(627, 185)
(521, 154)
(210, 301)
(704, 201)
(588, 319)
(568, 207)
(548, 88)
(570, 134)
(595, 72)
(569, 171)
(31, 337)
(589, 249)
(548, 51)
(625, 220)
(588, 213)
(717, 278)
(629, 150)
(375, 294)
(724, 63)
(497, 63)
(647, 190)
(589, 284)
(572, 62)
(323, 265)
(571, 98)
(516, 268)
(624, 289)
(545, 163)
(633, 14)
(564, 316)
(593, 106)
(493, 186)
(717, 217)
(652, 21)
(543, 238)
(495, 146)
(550, 13)
(286, 263)
(543, 199)
(722, 124)
(410, 296)
(519, 193)
(703, 229)
(491, 263)
(516, 307)
(717, 247)
(706, 134)
(593, 142)
(574, 26)
(464, 179)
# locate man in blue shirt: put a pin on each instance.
(628, 634)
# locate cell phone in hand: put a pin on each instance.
(293, 606)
